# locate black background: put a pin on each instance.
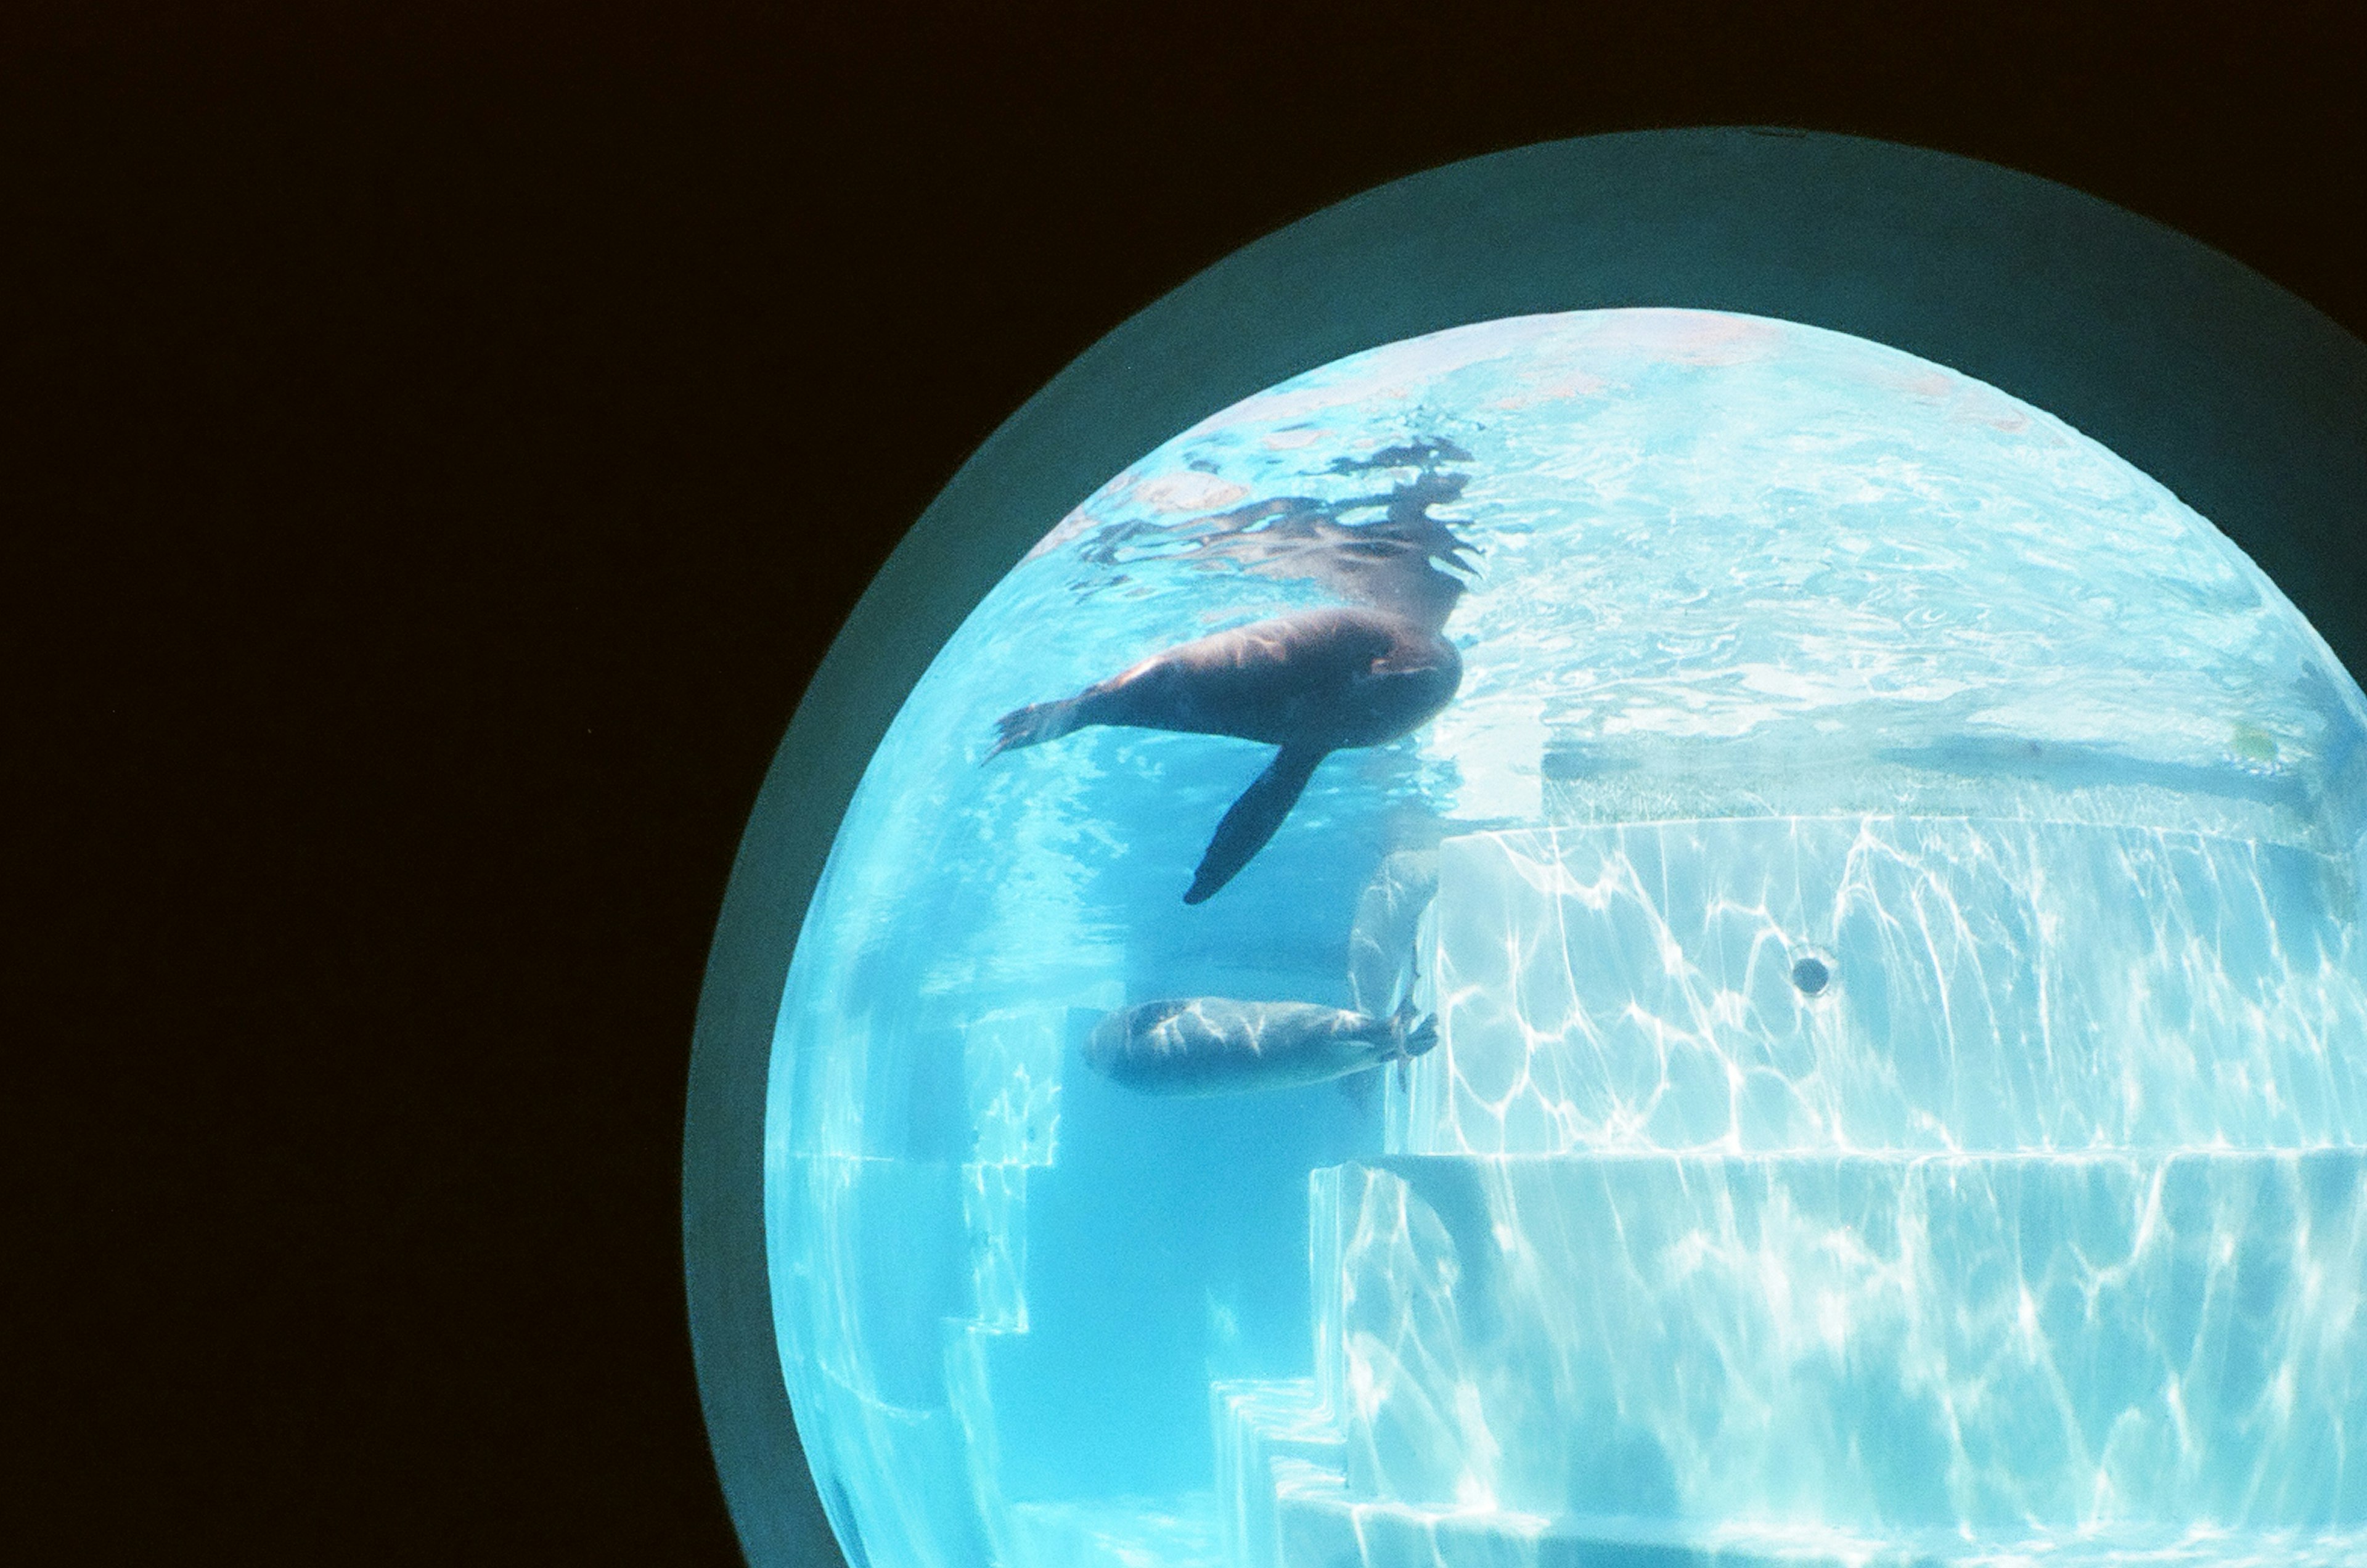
(439, 446)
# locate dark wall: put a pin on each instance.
(439, 450)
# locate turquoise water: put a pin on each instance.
(1889, 888)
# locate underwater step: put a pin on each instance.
(1890, 982)
(1854, 1342)
(898, 1341)
(1333, 1531)
(1274, 1437)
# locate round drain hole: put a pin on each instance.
(1811, 974)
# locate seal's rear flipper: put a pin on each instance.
(1254, 818)
(1032, 724)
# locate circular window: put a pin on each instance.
(1321, 1037)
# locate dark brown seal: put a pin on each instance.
(1310, 684)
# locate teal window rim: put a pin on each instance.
(2245, 400)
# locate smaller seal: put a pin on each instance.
(1198, 1045)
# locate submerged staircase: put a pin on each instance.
(1846, 1192)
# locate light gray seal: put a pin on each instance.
(1309, 683)
(1196, 1045)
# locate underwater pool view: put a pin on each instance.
(1634, 937)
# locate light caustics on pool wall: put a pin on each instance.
(1889, 889)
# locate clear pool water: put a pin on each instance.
(1889, 890)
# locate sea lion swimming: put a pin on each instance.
(1215, 1046)
(1311, 684)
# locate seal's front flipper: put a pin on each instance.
(1254, 818)
(1363, 1089)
